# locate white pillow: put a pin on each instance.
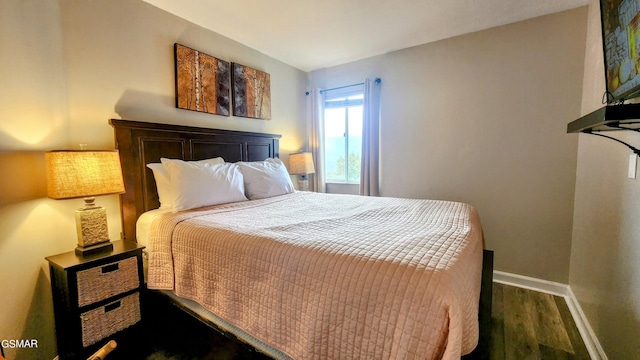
(163, 181)
(163, 185)
(198, 185)
(263, 179)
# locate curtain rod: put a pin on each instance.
(341, 87)
(377, 81)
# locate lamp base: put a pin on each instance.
(303, 184)
(91, 224)
(93, 232)
(94, 249)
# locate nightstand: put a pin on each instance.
(95, 297)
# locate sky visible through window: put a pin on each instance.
(343, 139)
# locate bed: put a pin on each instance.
(299, 275)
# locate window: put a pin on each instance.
(343, 109)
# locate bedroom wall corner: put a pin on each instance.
(605, 248)
(481, 118)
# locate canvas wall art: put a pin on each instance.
(251, 92)
(202, 82)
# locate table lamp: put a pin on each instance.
(86, 174)
(302, 164)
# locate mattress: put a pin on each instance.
(330, 276)
(143, 225)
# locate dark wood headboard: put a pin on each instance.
(141, 143)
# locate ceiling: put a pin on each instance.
(314, 34)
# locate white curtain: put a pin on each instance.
(315, 104)
(369, 165)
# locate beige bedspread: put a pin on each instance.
(331, 276)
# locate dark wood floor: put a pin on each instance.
(533, 325)
(525, 325)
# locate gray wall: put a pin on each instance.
(605, 265)
(481, 118)
(67, 67)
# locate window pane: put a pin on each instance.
(355, 143)
(334, 133)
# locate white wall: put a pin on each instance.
(33, 117)
(605, 253)
(67, 67)
(481, 118)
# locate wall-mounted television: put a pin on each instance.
(621, 40)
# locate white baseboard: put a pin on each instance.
(530, 283)
(588, 336)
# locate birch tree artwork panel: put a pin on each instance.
(251, 92)
(202, 82)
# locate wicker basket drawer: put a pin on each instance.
(102, 282)
(104, 321)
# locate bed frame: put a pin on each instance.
(141, 143)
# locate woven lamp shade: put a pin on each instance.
(301, 164)
(76, 174)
